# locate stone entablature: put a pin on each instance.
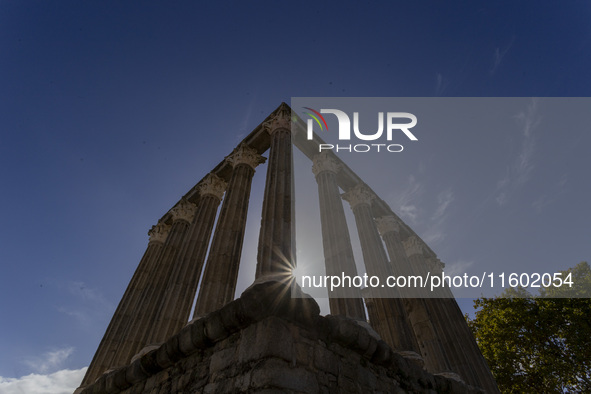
(265, 341)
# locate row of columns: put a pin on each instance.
(158, 299)
(432, 327)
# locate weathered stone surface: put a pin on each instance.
(273, 349)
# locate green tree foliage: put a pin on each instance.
(538, 344)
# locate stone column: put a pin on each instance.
(338, 253)
(418, 315)
(389, 316)
(182, 285)
(276, 250)
(221, 271)
(457, 342)
(141, 328)
(108, 354)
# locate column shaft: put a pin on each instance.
(108, 353)
(276, 245)
(140, 329)
(389, 316)
(338, 253)
(427, 339)
(221, 271)
(457, 342)
(182, 285)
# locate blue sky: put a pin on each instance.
(111, 111)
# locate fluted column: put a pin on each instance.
(276, 250)
(338, 253)
(389, 316)
(417, 310)
(182, 285)
(221, 271)
(457, 342)
(140, 330)
(108, 354)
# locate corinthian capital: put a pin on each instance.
(158, 232)
(360, 194)
(387, 224)
(413, 245)
(435, 265)
(244, 154)
(281, 120)
(184, 210)
(212, 185)
(323, 162)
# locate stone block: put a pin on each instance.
(347, 385)
(222, 359)
(304, 353)
(271, 337)
(214, 327)
(279, 375)
(135, 373)
(116, 380)
(186, 345)
(198, 337)
(162, 358)
(325, 360)
(242, 382)
(149, 363)
(367, 379)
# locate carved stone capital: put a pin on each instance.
(387, 224)
(281, 120)
(360, 194)
(158, 232)
(184, 210)
(244, 154)
(413, 245)
(323, 162)
(212, 185)
(435, 265)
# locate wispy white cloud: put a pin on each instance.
(49, 361)
(541, 202)
(458, 267)
(410, 212)
(61, 382)
(437, 223)
(405, 201)
(518, 173)
(440, 85)
(546, 199)
(499, 55)
(444, 198)
(244, 126)
(87, 304)
(409, 203)
(85, 293)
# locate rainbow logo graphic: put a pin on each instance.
(315, 116)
